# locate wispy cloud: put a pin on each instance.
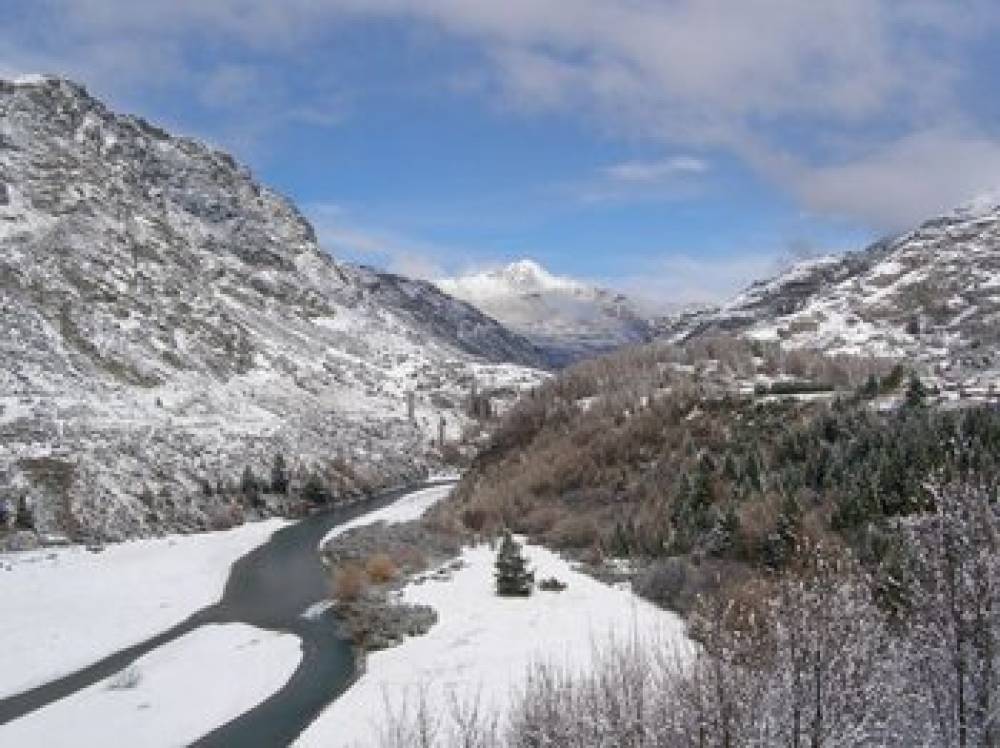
(654, 172)
(673, 178)
(345, 237)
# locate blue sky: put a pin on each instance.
(677, 149)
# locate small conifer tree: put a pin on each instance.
(512, 575)
(916, 393)
(279, 475)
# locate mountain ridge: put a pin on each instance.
(170, 321)
(930, 295)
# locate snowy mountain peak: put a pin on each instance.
(521, 277)
(530, 276)
(983, 204)
(567, 318)
(34, 79)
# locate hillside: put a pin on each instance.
(168, 321)
(568, 319)
(931, 295)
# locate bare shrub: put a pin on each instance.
(451, 454)
(348, 582)
(757, 520)
(224, 516)
(480, 518)
(381, 569)
(541, 519)
(411, 558)
(573, 532)
(126, 679)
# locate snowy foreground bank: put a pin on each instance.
(484, 644)
(65, 608)
(171, 696)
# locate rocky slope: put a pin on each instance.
(167, 320)
(567, 319)
(930, 296)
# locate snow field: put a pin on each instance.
(66, 608)
(483, 644)
(171, 696)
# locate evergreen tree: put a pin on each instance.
(916, 393)
(782, 542)
(249, 486)
(870, 388)
(315, 491)
(279, 475)
(25, 514)
(512, 575)
(620, 545)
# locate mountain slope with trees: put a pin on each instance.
(169, 321)
(835, 547)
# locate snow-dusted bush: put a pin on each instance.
(126, 679)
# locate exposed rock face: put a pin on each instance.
(567, 319)
(166, 319)
(931, 295)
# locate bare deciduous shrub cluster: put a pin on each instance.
(348, 582)
(810, 659)
(381, 568)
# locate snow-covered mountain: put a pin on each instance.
(168, 320)
(566, 318)
(931, 295)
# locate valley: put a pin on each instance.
(257, 491)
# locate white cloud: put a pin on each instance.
(911, 179)
(774, 81)
(678, 278)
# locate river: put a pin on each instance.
(271, 587)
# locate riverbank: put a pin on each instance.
(482, 646)
(171, 696)
(79, 615)
(64, 608)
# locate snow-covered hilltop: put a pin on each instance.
(168, 320)
(931, 295)
(568, 319)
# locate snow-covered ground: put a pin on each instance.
(171, 696)
(484, 644)
(408, 508)
(66, 608)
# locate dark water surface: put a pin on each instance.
(269, 588)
